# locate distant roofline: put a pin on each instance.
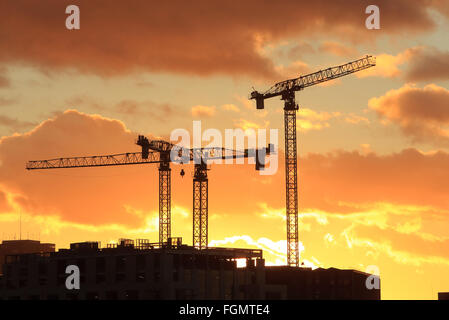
(310, 269)
(25, 240)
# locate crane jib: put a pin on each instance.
(318, 77)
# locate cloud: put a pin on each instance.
(15, 124)
(414, 64)
(387, 66)
(293, 70)
(381, 228)
(230, 107)
(90, 195)
(6, 101)
(428, 64)
(200, 111)
(356, 119)
(276, 251)
(201, 38)
(4, 81)
(298, 51)
(421, 113)
(401, 254)
(246, 124)
(408, 177)
(308, 119)
(4, 202)
(338, 49)
(129, 108)
(244, 101)
(337, 182)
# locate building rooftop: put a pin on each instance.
(128, 246)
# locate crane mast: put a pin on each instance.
(164, 201)
(291, 178)
(200, 206)
(286, 89)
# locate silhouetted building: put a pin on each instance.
(443, 295)
(141, 271)
(320, 284)
(144, 270)
(10, 247)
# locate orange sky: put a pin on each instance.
(374, 146)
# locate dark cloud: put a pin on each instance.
(130, 108)
(15, 124)
(421, 113)
(338, 49)
(85, 196)
(427, 64)
(200, 37)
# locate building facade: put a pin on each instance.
(443, 295)
(141, 270)
(320, 284)
(12, 247)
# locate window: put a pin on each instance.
(23, 272)
(42, 281)
(120, 264)
(100, 278)
(157, 260)
(81, 263)
(119, 277)
(140, 262)
(101, 264)
(62, 264)
(42, 268)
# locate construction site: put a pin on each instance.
(168, 269)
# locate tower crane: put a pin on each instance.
(160, 152)
(200, 157)
(286, 90)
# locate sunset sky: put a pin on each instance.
(373, 146)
